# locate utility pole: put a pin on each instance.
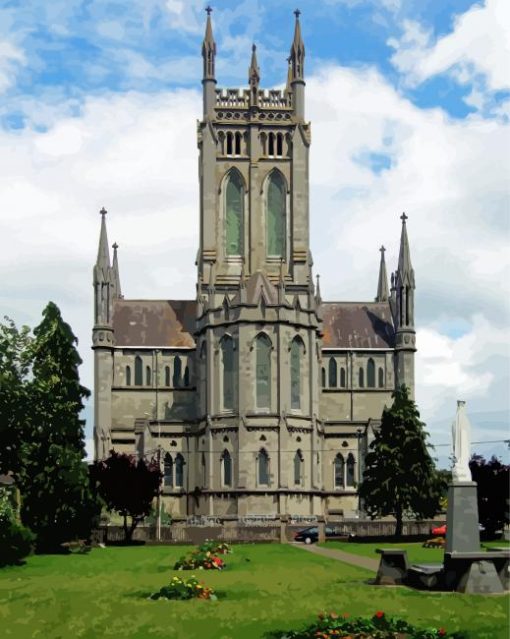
(156, 380)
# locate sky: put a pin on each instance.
(409, 103)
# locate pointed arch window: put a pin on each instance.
(332, 373)
(186, 376)
(238, 138)
(179, 470)
(381, 378)
(148, 375)
(176, 380)
(263, 348)
(370, 373)
(298, 468)
(167, 375)
(339, 466)
(138, 371)
(128, 375)
(229, 143)
(263, 467)
(234, 213)
(279, 144)
(226, 470)
(323, 377)
(296, 355)
(276, 215)
(342, 377)
(168, 473)
(228, 373)
(350, 481)
(361, 378)
(204, 470)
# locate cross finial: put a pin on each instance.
(297, 13)
(103, 212)
(403, 217)
(115, 246)
(382, 249)
(208, 9)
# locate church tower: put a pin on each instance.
(258, 326)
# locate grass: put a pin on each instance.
(416, 554)
(266, 587)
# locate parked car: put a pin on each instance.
(441, 530)
(311, 535)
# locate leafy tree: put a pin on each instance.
(493, 479)
(400, 477)
(127, 486)
(14, 395)
(57, 502)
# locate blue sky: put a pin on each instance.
(409, 103)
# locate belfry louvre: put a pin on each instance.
(260, 396)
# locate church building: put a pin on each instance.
(258, 396)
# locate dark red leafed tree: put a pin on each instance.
(127, 486)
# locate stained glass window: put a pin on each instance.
(179, 470)
(234, 214)
(332, 373)
(263, 371)
(227, 468)
(339, 471)
(371, 373)
(168, 470)
(263, 464)
(276, 225)
(227, 349)
(296, 350)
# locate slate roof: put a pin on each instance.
(162, 323)
(357, 325)
(171, 323)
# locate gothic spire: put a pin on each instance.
(297, 51)
(318, 298)
(103, 253)
(382, 285)
(116, 273)
(254, 71)
(405, 272)
(209, 49)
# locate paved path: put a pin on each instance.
(340, 555)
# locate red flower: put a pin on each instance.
(441, 632)
(379, 614)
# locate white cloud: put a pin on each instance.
(136, 155)
(478, 44)
(11, 57)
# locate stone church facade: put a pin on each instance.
(258, 396)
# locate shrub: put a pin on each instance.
(379, 626)
(15, 540)
(180, 589)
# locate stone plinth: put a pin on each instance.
(462, 532)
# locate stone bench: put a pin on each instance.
(477, 572)
(502, 564)
(429, 576)
(393, 567)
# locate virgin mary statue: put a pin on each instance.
(461, 436)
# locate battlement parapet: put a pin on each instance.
(240, 99)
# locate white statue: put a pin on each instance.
(461, 436)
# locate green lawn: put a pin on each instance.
(104, 594)
(416, 554)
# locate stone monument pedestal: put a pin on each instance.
(462, 532)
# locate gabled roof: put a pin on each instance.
(159, 323)
(357, 325)
(256, 286)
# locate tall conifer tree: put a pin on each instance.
(56, 499)
(400, 477)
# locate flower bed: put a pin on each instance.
(216, 547)
(201, 560)
(180, 589)
(379, 626)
